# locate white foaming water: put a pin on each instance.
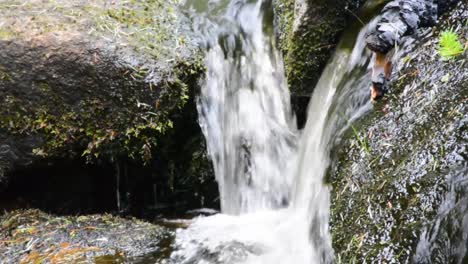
(274, 201)
(245, 114)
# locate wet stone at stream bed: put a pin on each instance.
(32, 236)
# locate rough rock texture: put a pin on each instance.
(399, 187)
(445, 5)
(83, 74)
(32, 236)
(109, 81)
(308, 31)
(400, 18)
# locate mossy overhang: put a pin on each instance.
(93, 78)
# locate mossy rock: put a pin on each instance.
(390, 198)
(308, 31)
(95, 80)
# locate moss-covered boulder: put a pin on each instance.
(400, 183)
(101, 81)
(308, 31)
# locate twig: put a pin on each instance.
(352, 13)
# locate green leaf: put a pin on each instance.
(449, 45)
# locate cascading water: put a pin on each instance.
(274, 201)
(245, 114)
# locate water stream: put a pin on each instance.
(245, 113)
(275, 204)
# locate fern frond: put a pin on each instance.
(449, 45)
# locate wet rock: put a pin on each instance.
(445, 5)
(389, 193)
(445, 239)
(32, 236)
(308, 31)
(400, 18)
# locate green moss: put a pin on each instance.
(44, 87)
(284, 14)
(5, 76)
(5, 34)
(146, 26)
(92, 128)
(307, 47)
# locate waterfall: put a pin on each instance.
(275, 204)
(245, 114)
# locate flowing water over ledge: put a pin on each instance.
(272, 177)
(245, 113)
(445, 239)
(275, 204)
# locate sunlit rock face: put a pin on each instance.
(400, 18)
(400, 182)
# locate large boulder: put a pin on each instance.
(400, 182)
(98, 81)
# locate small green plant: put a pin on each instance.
(449, 45)
(362, 140)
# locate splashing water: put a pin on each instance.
(246, 116)
(445, 239)
(274, 201)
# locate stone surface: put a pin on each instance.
(400, 18)
(308, 31)
(31, 236)
(408, 184)
(104, 82)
